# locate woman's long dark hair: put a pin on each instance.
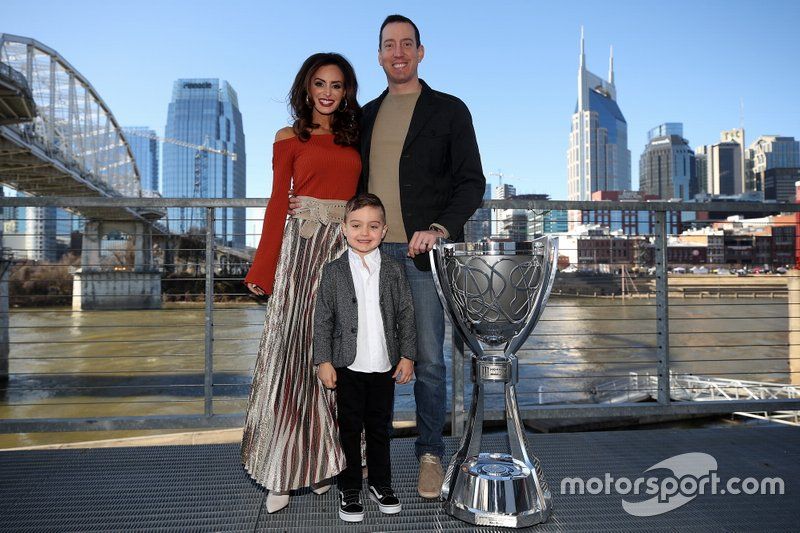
(344, 124)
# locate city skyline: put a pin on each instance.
(514, 66)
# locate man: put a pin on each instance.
(420, 155)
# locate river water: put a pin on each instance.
(138, 363)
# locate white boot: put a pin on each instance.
(277, 501)
(322, 487)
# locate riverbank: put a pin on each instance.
(599, 285)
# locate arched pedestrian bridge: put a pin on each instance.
(57, 135)
(59, 139)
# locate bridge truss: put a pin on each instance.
(73, 145)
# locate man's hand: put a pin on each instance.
(255, 289)
(422, 242)
(327, 374)
(404, 371)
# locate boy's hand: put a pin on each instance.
(327, 374)
(404, 371)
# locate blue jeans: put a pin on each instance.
(430, 392)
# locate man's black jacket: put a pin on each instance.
(441, 180)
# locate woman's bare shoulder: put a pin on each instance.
(284, 133)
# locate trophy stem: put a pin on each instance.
(519, 450)
(474, 424)
(516, 432)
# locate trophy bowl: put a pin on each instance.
(494, 294)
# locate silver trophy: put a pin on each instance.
(494, 293)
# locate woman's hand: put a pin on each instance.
(294, 203)
(255, 289)
(327, 374)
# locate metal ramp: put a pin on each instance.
(686, 387)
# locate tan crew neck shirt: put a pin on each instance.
(388, 137)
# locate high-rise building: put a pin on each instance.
(554, 221)
(598, 158)
(32, 232)
(667, 165)
(701, 171)
(509, 223)
(736, 135)
(144, 146)
(724, 165)
(205, 112)
(479, 226)
(776, 166)
(40, 233)
(542, 222)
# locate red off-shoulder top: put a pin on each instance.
(318, 168)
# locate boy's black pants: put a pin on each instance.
(364, 401)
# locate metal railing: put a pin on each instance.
(17, 78)
(188, 364)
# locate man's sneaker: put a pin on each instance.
(385, 498)
(350, 507)
(431, 476)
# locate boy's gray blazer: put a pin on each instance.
(336, 314)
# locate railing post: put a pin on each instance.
(208, 391)
(5, 263)
(662, 307)
(457, 417)
(793, 302)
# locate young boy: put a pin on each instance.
(364, 341)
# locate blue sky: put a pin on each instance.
(513, 62)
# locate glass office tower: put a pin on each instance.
(776, 166)
(145, 151)
(598, 158)
(479, 226)
(205, 112)
(667, 165)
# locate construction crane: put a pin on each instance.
(499, 175)
(200, 163)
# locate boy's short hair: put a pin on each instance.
(362, 200)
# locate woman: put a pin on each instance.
(290, 438)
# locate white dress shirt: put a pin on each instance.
(371, 352)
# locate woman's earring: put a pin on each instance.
(344, 101)
(308, 100)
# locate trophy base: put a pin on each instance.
(494, 489)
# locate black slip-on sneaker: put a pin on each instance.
(385, 498)
(350, 507)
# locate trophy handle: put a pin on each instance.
(443, 290)
(549, 268)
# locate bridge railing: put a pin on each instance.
(186, 361)
(16, 77)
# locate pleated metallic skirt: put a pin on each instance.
(290, 435)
